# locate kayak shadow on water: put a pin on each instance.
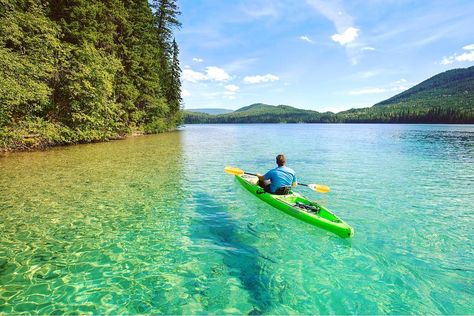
(214, 227)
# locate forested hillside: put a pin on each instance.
(451, 88)
(86, 70)
(447, 97)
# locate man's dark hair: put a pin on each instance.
(281, 160)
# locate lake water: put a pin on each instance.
(152, 224)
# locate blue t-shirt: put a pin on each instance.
(280, 177)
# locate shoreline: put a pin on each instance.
(45, 147)
(334, 123)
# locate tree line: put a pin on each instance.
(87, 70)
(409, 113)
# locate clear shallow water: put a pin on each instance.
(153, 225)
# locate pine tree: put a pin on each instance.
(175, 95)
(166, 15)
(138, 83)
(166, 20)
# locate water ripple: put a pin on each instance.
(151, 225)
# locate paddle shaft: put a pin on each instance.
(254, 174)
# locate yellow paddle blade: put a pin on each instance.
(234, 171)
(321, 188)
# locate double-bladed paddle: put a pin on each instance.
(321, 188)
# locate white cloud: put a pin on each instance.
(447, 60)
(368, 48)
(232, 88)
(198, 60)
(306, 39)
(260, 79)
(217, 74)
(466, 56)
(349, 35)
(469, 56)
(193, 76)
(347, 32)
(212, 74)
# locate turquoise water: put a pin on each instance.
(153, 225)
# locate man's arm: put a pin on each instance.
(266, 176)
(295, 181)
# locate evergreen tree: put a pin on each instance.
(166, 20)
(166, 15)
(175, 86)
(138, 83)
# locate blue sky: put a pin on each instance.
(315, 54)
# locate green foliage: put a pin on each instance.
(86, 70)
(35, 133)
(89, 86)
(28, 43)
(156, 126)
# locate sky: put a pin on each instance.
(323, 55)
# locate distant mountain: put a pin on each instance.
(256, 107)
(212, 111)
(445, 98)
(260, 113)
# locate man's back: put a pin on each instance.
(280, 177)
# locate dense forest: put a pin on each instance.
(75, 71)
(445, 98)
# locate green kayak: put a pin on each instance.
(298, 206)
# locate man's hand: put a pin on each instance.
(260, 177)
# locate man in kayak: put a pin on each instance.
(281, 178)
